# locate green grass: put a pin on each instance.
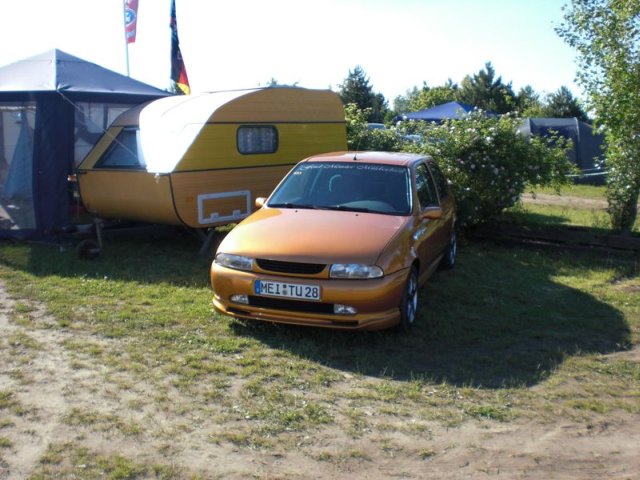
(6, 399)
(509, 334)
(555, 215)
(573, 214)
(69, 460)
(592, 192)
(100, 421)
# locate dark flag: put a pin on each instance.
(178, 70)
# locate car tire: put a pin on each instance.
(409, 304)
(451, 252)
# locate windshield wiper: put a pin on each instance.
(291, 205)
(346, 208)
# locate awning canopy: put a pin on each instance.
(439, 113)
(57, 71)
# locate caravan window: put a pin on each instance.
(254, 139)
(91, 121)
(123, 152)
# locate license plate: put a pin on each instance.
(286, 290)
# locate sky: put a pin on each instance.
(246, 43)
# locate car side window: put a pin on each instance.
(426, 188)
(440, 180)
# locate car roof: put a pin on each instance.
(382, 158)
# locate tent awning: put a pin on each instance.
(57, 71)
(446, 111)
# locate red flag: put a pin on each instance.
(130, 19)
(178, 70)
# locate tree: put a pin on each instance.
(379, 109)
(431, 96)
(606, 34)
(485, 91)
(402, 103)
(274, 83)
(562, 104)
(528, 103)
(357, 90)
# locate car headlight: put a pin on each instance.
(355, 270)
(237, 262)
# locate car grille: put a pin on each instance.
(290, 267)
(291, 305)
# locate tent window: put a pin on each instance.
(17, 121)
(253, 139)
(123, 152)
(91, 121)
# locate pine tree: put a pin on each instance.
(356, 89)
(484, 91)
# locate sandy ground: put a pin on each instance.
(566, 200)
(51, 386)
(546, 199)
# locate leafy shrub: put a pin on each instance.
(360, 137)
(489, 163)
(623, 180)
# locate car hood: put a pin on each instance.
(313, 236)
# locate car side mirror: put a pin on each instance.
(431, 213)
(260, 201)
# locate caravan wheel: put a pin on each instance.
(88, 249)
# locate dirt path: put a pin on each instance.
(58, 397)
(566, 200)
(34, 427)
(569, 201)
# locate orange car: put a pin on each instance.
(345, 241)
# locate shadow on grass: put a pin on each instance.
(497, 320)
(145, 254)
(525, 217)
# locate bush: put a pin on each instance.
(623, 181)
(360, 137)
(489, 163)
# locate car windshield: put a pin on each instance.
(360, 187)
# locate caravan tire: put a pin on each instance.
(88, 249)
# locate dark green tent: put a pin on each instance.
(587, 151)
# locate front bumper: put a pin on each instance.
(376, 300)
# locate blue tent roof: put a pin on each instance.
(446, 111)
(57, 71)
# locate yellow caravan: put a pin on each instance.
(201, 160)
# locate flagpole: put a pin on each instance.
(178, 69)
(126, 39)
